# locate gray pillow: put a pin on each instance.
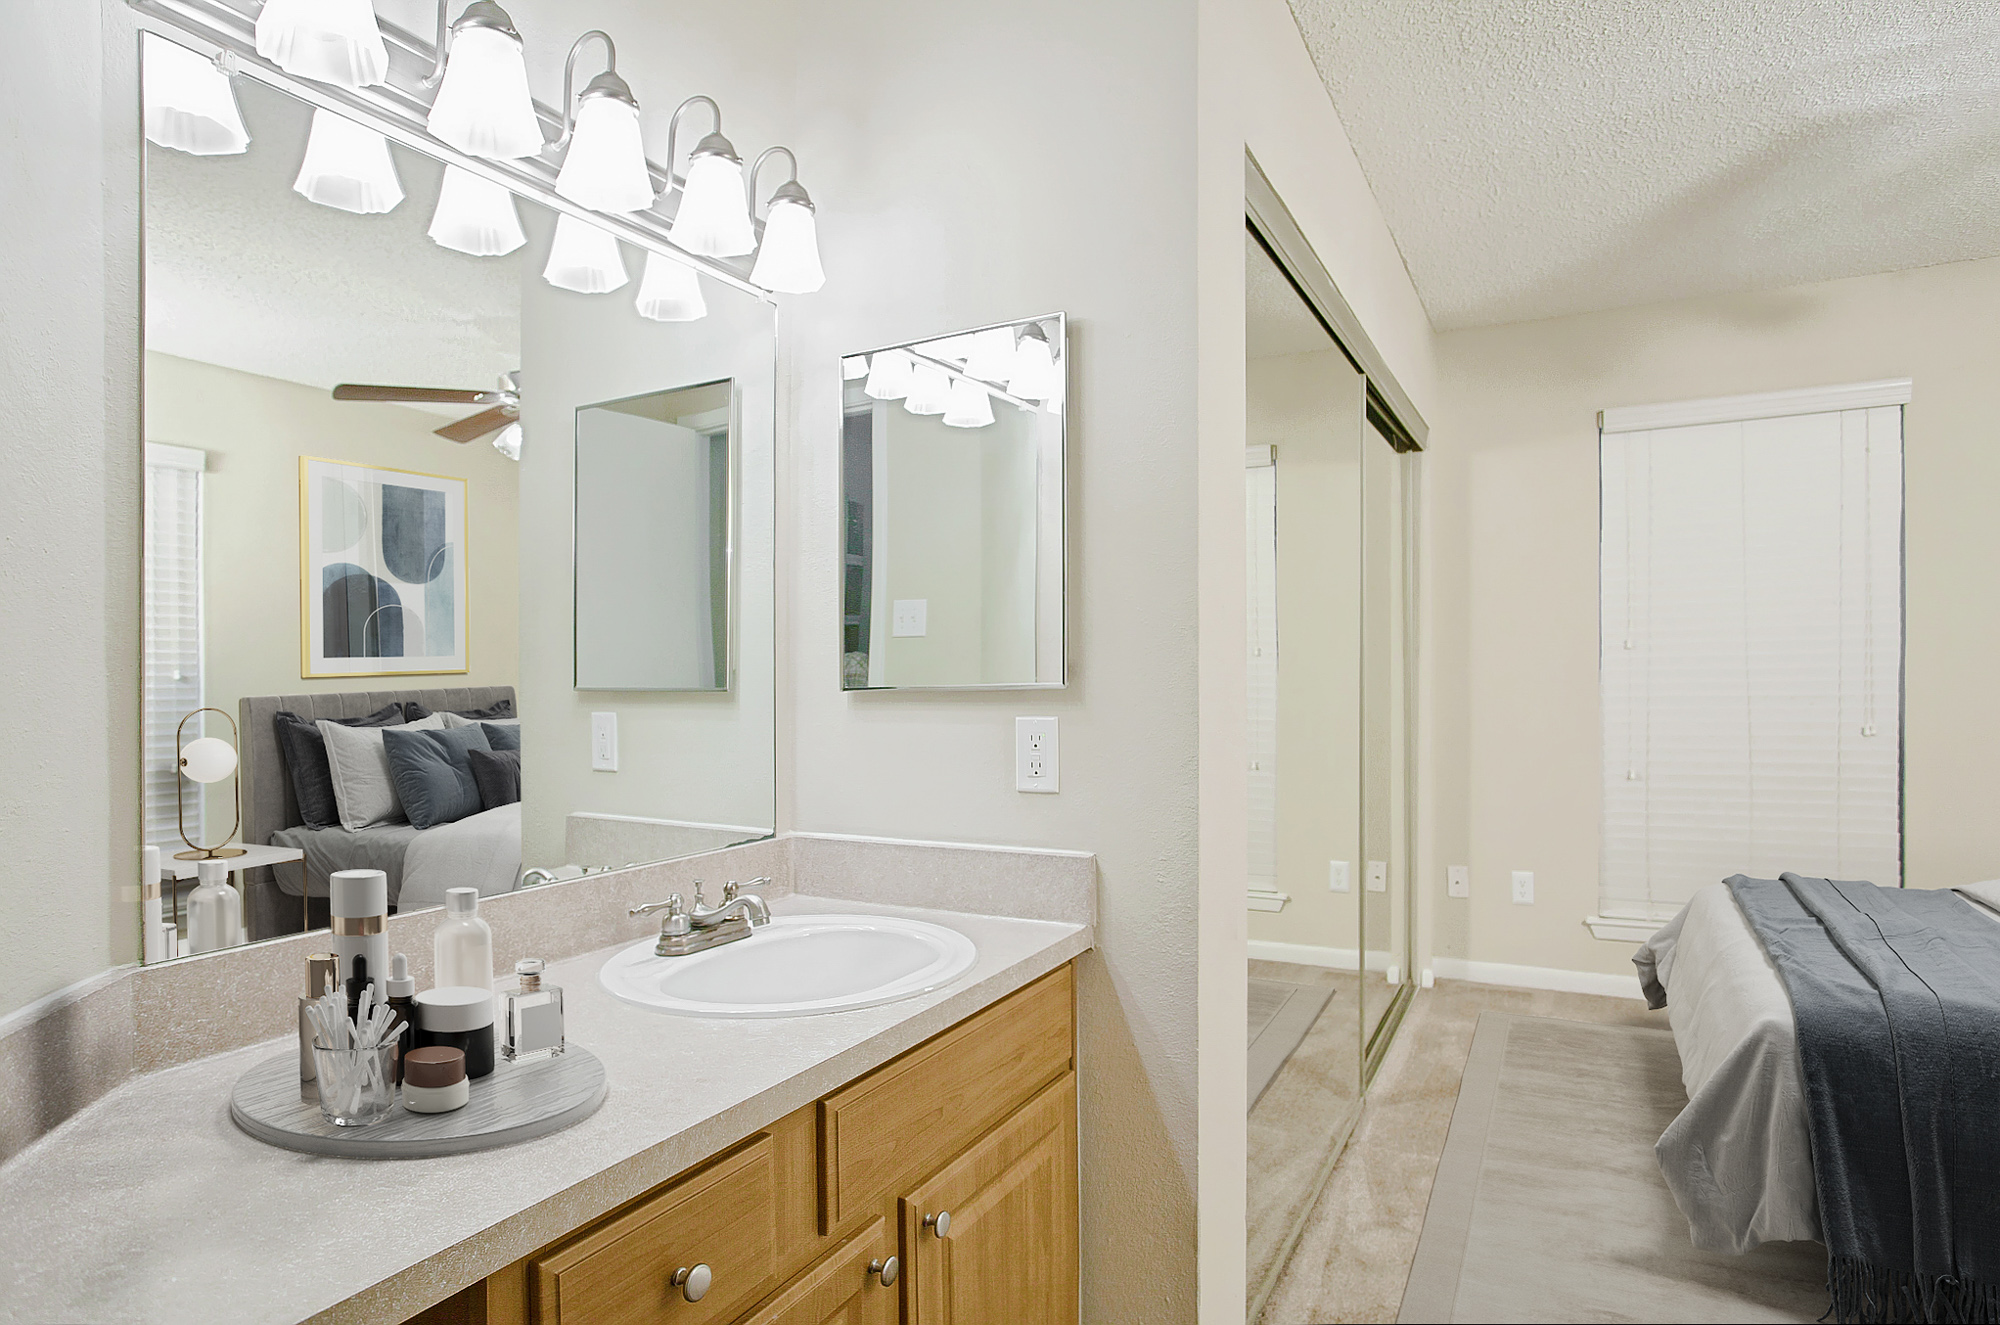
(498, 773)
(460, 720)
(503, 735)
(304, 751)
(502, 708)
(362, 787)
(433, 779)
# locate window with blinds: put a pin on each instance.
(1751, 648)
(171, 626)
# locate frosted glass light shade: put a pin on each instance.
(1034, 376)
(788, 260)
(208, 759)
(483, 107)
(605, 166)
(992, 357)
(930, 390)
(508, 441)
(584, 258)
(329, 41)
(347, 165)
(969, 405)
(190, 106)
(854, 367)
(889, 375)
(475, 216)
(670, 292)
(714, 219)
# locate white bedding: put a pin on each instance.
(1738, 1159)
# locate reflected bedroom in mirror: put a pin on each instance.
(457, 556)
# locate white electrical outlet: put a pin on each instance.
(604, 742)
(1337, 879)
(1035, 762)
(909, 616)
(1457, 881)
(1378, 876)
(1524, 887)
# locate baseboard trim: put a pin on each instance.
(1313, 954)
(1534, 977)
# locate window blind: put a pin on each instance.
(1261, 524)
(1751, 654)
(171, 627)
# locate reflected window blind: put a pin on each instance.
(1751, 654)
(171, 627)
(1261, 524)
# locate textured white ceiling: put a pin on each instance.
(1536, 158)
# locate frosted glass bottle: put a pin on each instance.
(214, 909)
(464, 944)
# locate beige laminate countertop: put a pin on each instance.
(152, 1206)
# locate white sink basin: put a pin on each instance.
(796, 966)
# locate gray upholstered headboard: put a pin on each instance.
(268, 802)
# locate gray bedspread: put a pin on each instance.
(481, 851)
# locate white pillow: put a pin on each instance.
(363, 791)
(458, 720)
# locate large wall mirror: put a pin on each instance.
(420, 472)
(952, 487)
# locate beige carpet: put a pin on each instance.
(1548, 1204)
(1281, 1012)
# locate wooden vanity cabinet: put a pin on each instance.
(801, 1223)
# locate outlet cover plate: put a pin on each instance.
(1524, 887)
(604, 742)
(1036, 766)
(1458, 881)
(1338, 877)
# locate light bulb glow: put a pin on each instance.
(347, 165)
(713, 220)
(788, 259)
(190, 106)
(969, 405)
(605, 166)
(992, 356)
(483, 107)
(889, 375)
(508, 441)
(584, 258)
(208, 759)
(475, 216)
(1034, 376)
(670, 292)
(328, 41)
(930, 390)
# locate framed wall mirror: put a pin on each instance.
(953, 485)
(408, 442)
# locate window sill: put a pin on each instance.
(1268, 899)
(1622, 929)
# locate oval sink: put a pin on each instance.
(796, 966)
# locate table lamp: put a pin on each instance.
(206, 759)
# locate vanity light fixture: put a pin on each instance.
(890, 373)
(508, 441)
(1035, 375)
(475, 216)
(788, 258)
(713, 220)
(930, 390)
(853, 368)
(968, 406)
(483, 106)
(190, 106)
(992, 355)
(604, 161)
(347, 165)
(584, 258)
(670, 291)
(328, 41)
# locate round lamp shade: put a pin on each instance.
(714, 216)
(889, 375)
(348, 166)
(475, 216)
(969, 406)
(584, 258)
(930, 390)
(483, 107)
(788, 259)
(190, 106)
(670, 292)
(328, 41)
(208, 759)
(605, 166)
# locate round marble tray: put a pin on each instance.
(514, 1103)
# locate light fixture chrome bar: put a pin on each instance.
(959, 374)
(400, 115)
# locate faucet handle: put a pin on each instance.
(730, 889)
(673, 903)
(675, 921)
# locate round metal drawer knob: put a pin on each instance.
(939, 1223)
(694, 1283)
(886, 1271)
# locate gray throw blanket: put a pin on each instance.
(1896, 994)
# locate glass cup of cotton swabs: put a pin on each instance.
(354, 1056)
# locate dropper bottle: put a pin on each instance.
(402, 989)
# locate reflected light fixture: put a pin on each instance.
(788, 258)
(328, 41)
(584, 258)
(205, 759)
(992, 355)
(969, 405)
(889, 375)
(670, 291)
(853, 368)
(483, 106)
(1035, 375)
(713, 219)
(508, 441)
(347, 165)
(930, 390)
(475, 216)
(190, 106)
(604, 161)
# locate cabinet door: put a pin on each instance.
(1009, 1253)
(842, 1289)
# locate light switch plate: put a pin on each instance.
(1457, 881)
(1378, 876)
(1338, 879)
(1035, 764)
(604, 742)
(1524, 887)
(910, 617)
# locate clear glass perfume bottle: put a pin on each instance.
(533, 1024)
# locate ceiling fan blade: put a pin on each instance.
(429, 395)
(475, 426)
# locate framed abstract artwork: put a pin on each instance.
(382, 579)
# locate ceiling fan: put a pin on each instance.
(503, 408)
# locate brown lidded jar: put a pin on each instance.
(434, 1080)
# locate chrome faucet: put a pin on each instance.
(685, 929)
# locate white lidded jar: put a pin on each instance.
(214, 909)
(464, 944)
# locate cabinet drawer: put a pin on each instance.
(841, 1289)
(907, 1117)
(724, 1217)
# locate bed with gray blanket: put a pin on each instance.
(1899, 991)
